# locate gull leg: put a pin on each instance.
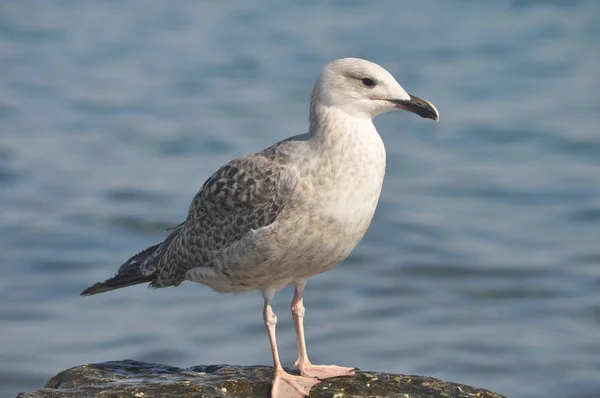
(284, 384)
(304, 366)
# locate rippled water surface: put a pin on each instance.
(482, 264)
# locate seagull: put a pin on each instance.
(289, 212)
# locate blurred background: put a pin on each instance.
(481, 265)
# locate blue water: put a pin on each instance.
(482, 264)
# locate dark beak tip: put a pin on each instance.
(419, 106)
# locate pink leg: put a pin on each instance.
(304, 366)
(284, 384)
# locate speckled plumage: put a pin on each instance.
(259, 220)
(289, 212)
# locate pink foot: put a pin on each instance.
(323, 371)
(287, 386)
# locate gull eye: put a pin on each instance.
(367, 82)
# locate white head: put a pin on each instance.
(364, 89)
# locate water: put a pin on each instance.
(482, 263)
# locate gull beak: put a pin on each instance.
(419, 106)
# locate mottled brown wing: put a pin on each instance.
(240, 196)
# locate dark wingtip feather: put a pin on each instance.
(128, 274)
(117, 282)
(95, 289)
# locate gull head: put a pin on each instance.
(364, 89)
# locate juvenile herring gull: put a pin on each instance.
(289, 212)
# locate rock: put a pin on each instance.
(125, 379)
